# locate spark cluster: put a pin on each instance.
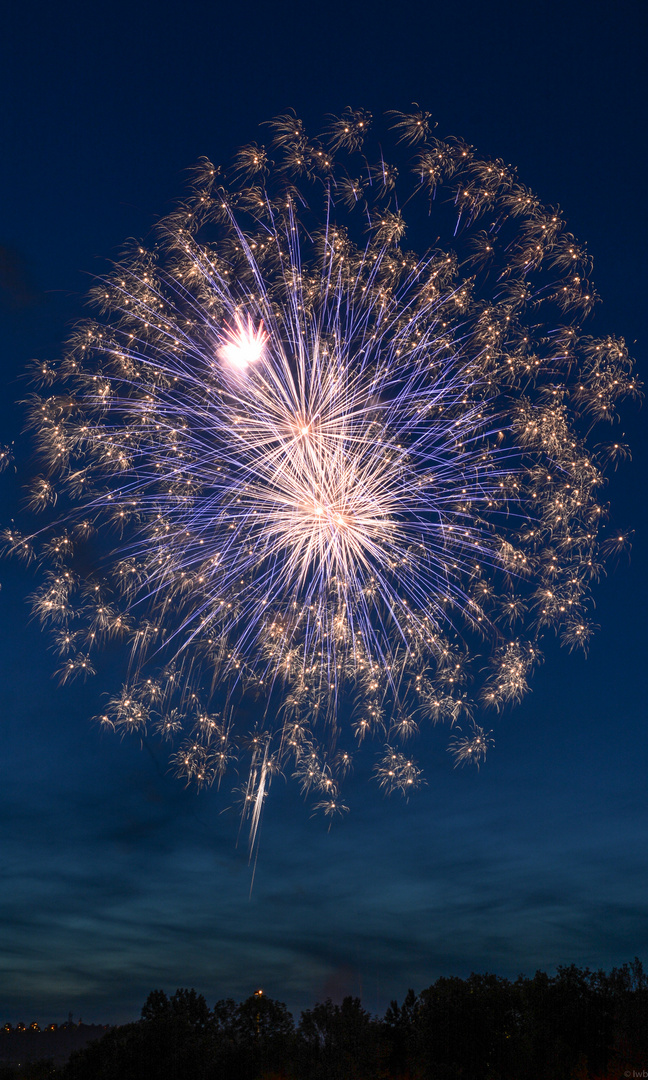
(336, 478)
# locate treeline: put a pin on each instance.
(575, 1025)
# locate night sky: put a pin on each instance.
(115, 879)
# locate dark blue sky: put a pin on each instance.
(115, 879)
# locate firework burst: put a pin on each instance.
(338, 477)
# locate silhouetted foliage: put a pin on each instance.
(574, 1025)
(339, 1042)
(43, 1069)
(174, 1039)
(255, 1038)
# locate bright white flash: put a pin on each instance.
(243, 343)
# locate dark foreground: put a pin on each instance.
(576, 1025)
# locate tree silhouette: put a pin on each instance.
(574, 1025)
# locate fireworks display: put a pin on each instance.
(328, 463)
